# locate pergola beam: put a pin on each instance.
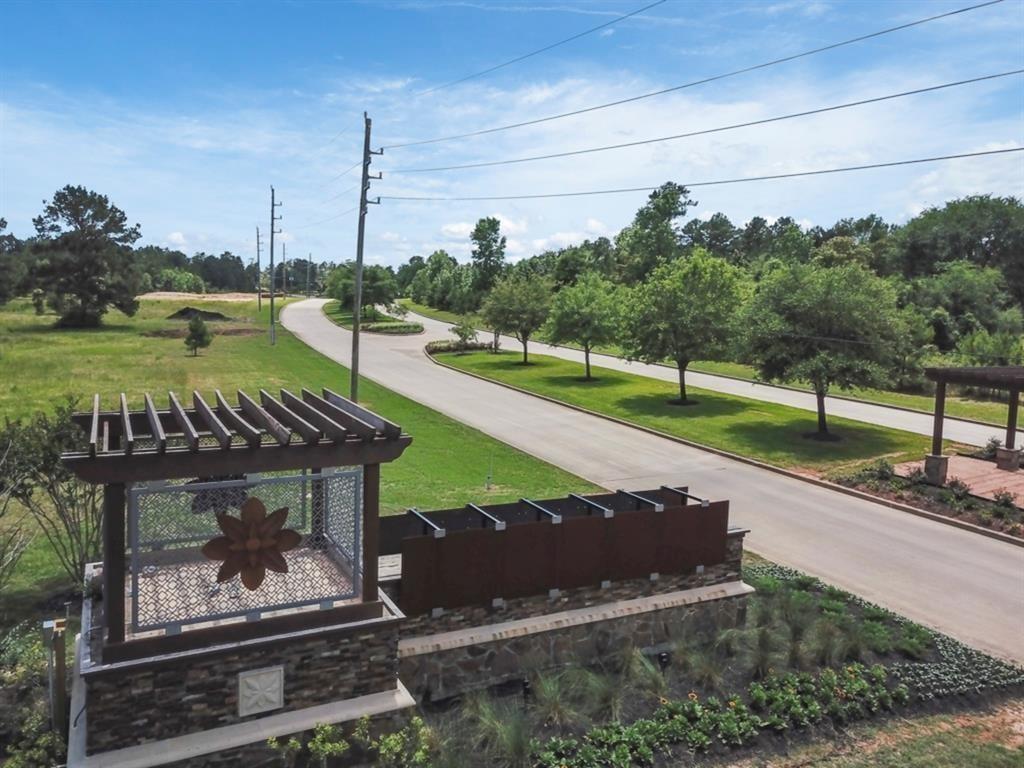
(217, 427)
(187, 430)
(250, 433)
(155, 427)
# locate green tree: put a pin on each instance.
(464, 332)
(519, 305)
(586, 314)
(684, 312)
(199, 336)
(379, 286)
(86, 263)
(826, 325)
(654, 236)
(488, 253)
(717, 235)
(986, 230)
(842, 250)
(12, 265)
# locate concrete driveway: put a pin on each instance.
(964, 584)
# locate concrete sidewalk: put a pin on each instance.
(969, 586)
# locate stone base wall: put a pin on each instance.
(468, 616)
(438, 673)
(140, 702)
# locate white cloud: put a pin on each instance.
(177, 239)
(460, 229)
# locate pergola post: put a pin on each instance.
(1011, 421)
(114, 560)
(1008, 456)
(371, 530)
(935, 464)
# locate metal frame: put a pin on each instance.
(351, 559)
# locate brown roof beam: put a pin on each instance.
(352, 423)
(127, 436)
(236, 422)
(221, 432)
(309, 433)
(189, 431)
(325, 423)
(258, 414)
(155, 427)
(387, 428)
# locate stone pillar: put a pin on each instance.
(935, 468)
(1008, 459)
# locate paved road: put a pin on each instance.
(967, 585)
(897, 418)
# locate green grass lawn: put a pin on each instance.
(371, 316)
(765, 431)
(447, 464)
(989, 411)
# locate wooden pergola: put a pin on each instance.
(211, 439)
(1003, 378)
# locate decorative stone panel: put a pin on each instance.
(260, 690)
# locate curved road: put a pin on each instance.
(964, 584)
(958, 430)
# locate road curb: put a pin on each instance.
(951, 521)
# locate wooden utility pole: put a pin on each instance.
(358, 297)
(259, 273)
(273, 230)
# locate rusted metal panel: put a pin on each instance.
(583, 552)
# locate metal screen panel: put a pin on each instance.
(173, 584)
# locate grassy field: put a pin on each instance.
(772, 433)
(447, 465)
(988, 411)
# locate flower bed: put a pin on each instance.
(952, 500)
(810, 660)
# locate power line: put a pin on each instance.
(693, 83)
(540, 50)
(352, 168)
(731, 127)
(342, 194)
(325, 221)
(717, 182)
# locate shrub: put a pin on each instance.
(913, 641)
(991, 447)
(1004, 499)
(396, 327)
(832, 608)
(916, 476)
(877, 636)
(959, 490)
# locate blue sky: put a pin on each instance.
(185, 113)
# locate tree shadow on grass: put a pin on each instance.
(793, 440)
(705, 405)
(567, 380)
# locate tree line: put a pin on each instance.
(82, 260)
(863, 303)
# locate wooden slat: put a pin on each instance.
(221, 432)
(156, 429)
(256, 412)
(127, 436)
(354, 424)
(385, 427)
(278, 410)
(94, 426)
(322, 421)
(236, 422)
(189, 431)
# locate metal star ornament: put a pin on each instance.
(252, 543)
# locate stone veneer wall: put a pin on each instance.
(135, 703)
(467, 616)
(439, 674)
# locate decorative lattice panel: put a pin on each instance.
(172, 581)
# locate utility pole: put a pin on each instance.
(358, 298)
(273, 231)
(309, 264)
(284, 269)
(259, 273)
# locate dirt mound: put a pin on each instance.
(181, 333)
(187, 313)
